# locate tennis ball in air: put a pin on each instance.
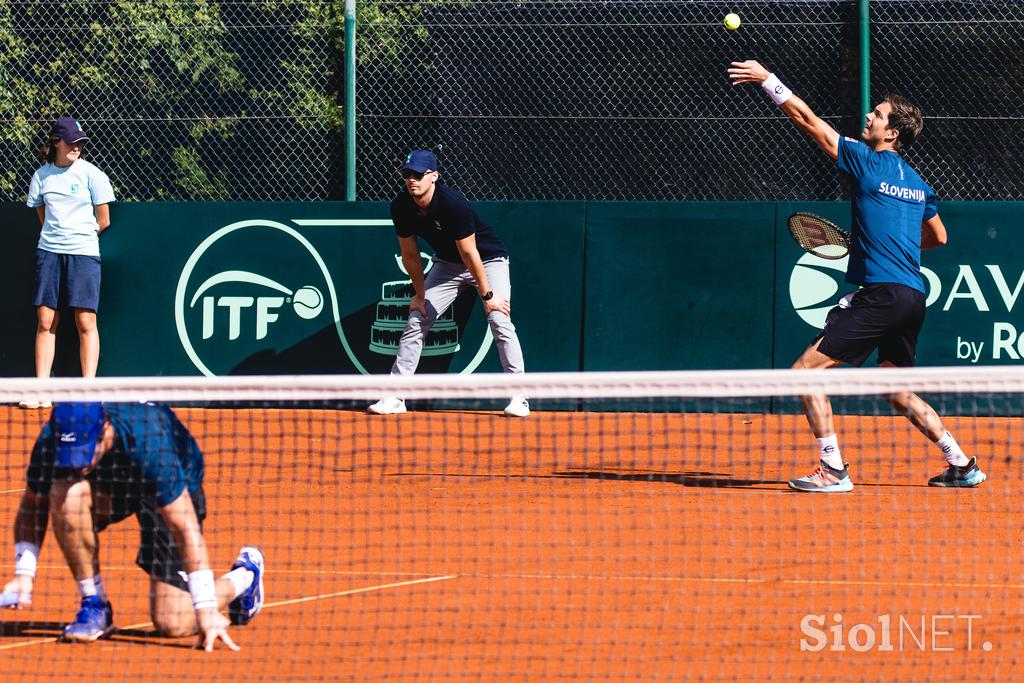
(307, 302)
(731, 21)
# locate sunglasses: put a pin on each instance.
(412, 175)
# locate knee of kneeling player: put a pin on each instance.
(171, 625)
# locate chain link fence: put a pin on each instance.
(618, 100)
(536, 99)
(183, 99)
(962, 62)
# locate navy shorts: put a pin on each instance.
(887, 317)
(70, 280)
(158, 552)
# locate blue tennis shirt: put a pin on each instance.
(889, 205)
(153, 456)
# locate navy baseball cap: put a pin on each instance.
(77, 427)
(420, 161)
(69, 130)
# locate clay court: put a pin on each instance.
(591, 546)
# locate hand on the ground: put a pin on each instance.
(499, 304)
(22, 585)
(213, 626)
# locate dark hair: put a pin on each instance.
(906, 118)
(48, 150)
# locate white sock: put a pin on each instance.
(241, 579)
(952, 451)
(92, 587)
(99, 588)
(828, 450)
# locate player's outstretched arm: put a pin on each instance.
(180, 517)
(795, 108)
(29, 532)
(933, 233)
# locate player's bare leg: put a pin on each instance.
(47, 320)
(961, 471)
(171, 609)
(71, 509)
(89, 341)
(817, 407)
(73, 513)
(240, 591)
(830, 475)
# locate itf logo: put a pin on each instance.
(226, 310)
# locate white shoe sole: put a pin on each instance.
(515, 412)
(89, 638)
(385, 411)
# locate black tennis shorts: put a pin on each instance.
(158, 553)
(887, 317)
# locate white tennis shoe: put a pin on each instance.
(391, 405)
(34, 405)
(518, 407)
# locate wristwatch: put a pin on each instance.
(488, 296)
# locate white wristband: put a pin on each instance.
(202, 588)
(776, 89)
(26, 556)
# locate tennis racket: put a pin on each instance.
(819, 236)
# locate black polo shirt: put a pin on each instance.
(449, 218)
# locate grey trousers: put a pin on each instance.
(443, 284)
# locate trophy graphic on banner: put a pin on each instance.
(393, 311)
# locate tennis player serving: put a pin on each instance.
(94, 465)
(894, 217)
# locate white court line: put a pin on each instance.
(28, 643)
(12, 491)
(282, 603)
(904, 584)
(360, 590)
(598, 577)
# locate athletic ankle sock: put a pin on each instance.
(241, 579)
(828, 450)
(92, 587)
(952, 451)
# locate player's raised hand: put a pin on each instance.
(749, 71)
(213, 626)
(498, 303)
(20, 586)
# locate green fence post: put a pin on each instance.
(865, 57)
(350, 100)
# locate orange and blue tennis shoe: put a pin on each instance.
(824, 479)
(959, 476)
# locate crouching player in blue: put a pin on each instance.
(96, 464)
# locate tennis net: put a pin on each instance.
(634, 526)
